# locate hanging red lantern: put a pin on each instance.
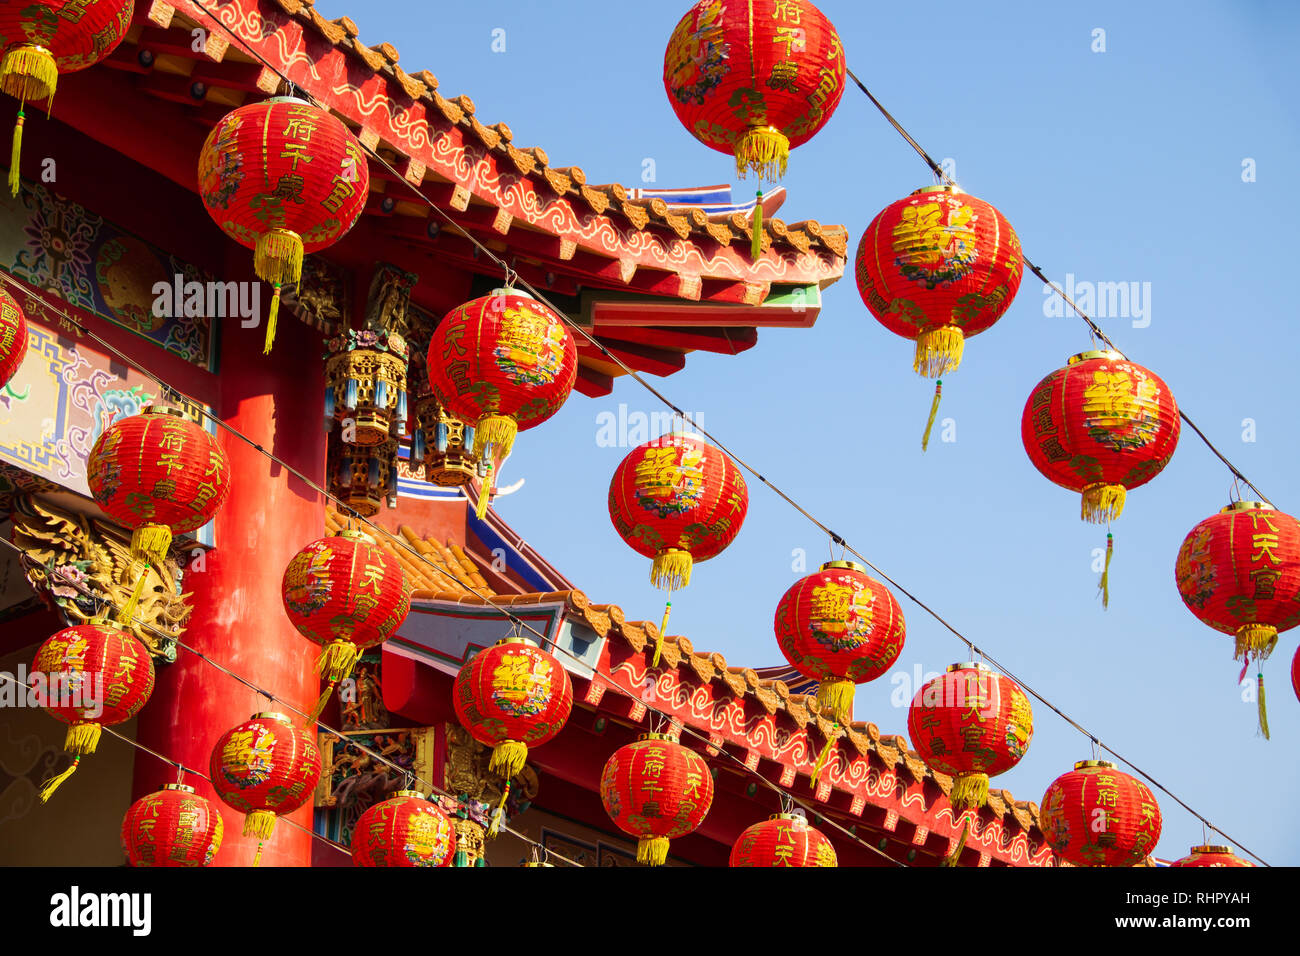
(90, 676)
(13, 337)
(971, 724)
(405, 830)
(503, 363)
(511, 696)
(172, 827)
(1239, 572)
(158, 474)
(754, 79)
(42, 40)
(841, 627)
(1211, 856)
(656, 790)
(283, 178)
(678, 500)
(264, 768)
(783, 839)
(1097, 815)
(345, 593)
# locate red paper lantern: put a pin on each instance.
(172, 827)
(504, 363)
(1097, 815)
(783, 839)
(1239, 572)
(656, 790)
(1211, 856)
(754, 79)
(1099, 426)
(511, 696)
(406, 830)
(937, 267)
(841, 627)
(344, 593)
(264, 768)
(90, 676)
(13, 337)
(971, 724)
(157, 473)
(42, 40)
(283, 178)
(678, 500)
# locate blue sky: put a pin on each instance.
(1116, 166)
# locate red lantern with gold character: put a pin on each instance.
(656, 790)
(841, 627)
(678, 500)
(90, 676)
(344, 593)
(1097, 815)
(405, 830)
(784, 839)
(172, 827)
(1211, 856)
(159, 474)
(42, 40)
(283, 178)
(971, 724)
(503, 363)
(511, 696)
(754, 79)
(13, 337)
(1239, 572)
(264, 768)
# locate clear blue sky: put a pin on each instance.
(1117, 166)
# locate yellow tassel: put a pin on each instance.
(497, 431)
(277, 259)
(498, 815)
(837, 697)
(484, 499)
(508, 758)
(970, 791)
(652, 852)
(765, 150)
(934, 413)
(938, 351)
(82, 739)
(663, 629)
(259, 823)
(321, 702)
(126, 613)
(1104, 586)
(821, 761)
(1263, 711)
(29, 73)
(756, 241)
(257, 857)
(16, 155)
(952, 858)
(671, 570)
(1255, 640)
(150, 542)
(337, 660)
(1102, 503)
(271, 315)
(56, 781)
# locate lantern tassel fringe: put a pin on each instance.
(260, 823)
(1102, 503)
(321, 702)
(499, 814)
(663, 630)
(652, 852)
(765, 150)
(277, 259)
(1255, 641)
(756, 239)
(27, 73)
(938, 351)
(498, 431)
(1263, 711)
(16, 154)
(970, 791)
(337, 660)
(934, 413)
(47, 790)
(821, 761)
(952, 858)
(671, 569)
(149, 545)
(508, 758)
(1104, 585)
(837, 697)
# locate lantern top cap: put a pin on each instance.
(409, 793)
(179, 787)
(1109, 354)
(796, 818)
(518, 639)
(272, 715)
(969, 666)
(940, 188)
(1247, 506)
(354, 534)
(173, 410)
(843, 565)
(1102, 764)
(671, 738)
(1208, 848)
(287, 99)
(100, 620)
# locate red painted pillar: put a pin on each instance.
(239, 619)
